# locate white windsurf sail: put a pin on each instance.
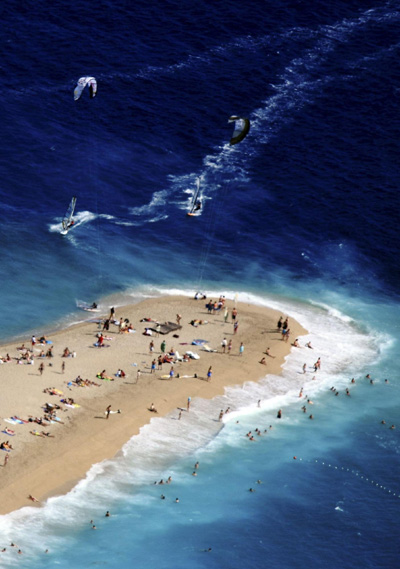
(67, 222)
(196, 201)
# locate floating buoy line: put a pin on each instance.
(354, 472)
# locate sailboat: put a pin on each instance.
(68, 221)
(196, 201)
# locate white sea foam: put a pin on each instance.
(80, 218)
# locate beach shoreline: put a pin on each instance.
(42, 466)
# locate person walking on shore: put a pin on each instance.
(108, 411)
(209, 373)
(224, 344)
(229, 347)
(188, 403)
(41, 368)
(241, 349)
(235, 327)
(63, 367)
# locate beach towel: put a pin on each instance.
(207, 348)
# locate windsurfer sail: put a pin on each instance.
(242, 127)
(196, 201)
(68, 220)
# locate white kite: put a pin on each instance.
(83, 81)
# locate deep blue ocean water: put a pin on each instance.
(301, 216)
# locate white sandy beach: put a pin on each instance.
(43, 466)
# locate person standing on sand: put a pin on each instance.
(153, 366)
(178, 319)
(41, 368)
(224, 344)
(226, 314)
(234, 314)
(188, 403)
(229, 347)
(108, 411)
(209, 373)
(151, 347)
(6, 459)
(241, 349)
(63, 367)
(163, 346)
(235, 327)
(279, 325)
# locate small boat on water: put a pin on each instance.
(88, 307)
